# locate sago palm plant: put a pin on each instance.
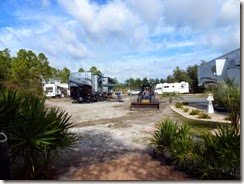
(164, 135)
(181, 148)
(219, 157)
(36, 134)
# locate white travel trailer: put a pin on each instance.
(56, 90)
(178, 87)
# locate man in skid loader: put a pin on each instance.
(146, 93)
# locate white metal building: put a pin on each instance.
(178, 87)
(221, 68)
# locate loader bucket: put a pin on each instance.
(144, 105)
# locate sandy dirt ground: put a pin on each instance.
(111, 135)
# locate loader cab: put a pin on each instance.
(147, 89)
(146, 98)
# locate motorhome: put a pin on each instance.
(56, 90)
(89, 87)
(220, 68)
(178, 87)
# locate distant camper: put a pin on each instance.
(56, 90)
(178, 87)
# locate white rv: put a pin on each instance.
(221, 68)
(56, 90)
(178, 87)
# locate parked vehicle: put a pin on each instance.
(56, 90)
(178, 87)
(134, 92)
(88, 87)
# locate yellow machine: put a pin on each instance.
(146, 98)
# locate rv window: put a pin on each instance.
(158, 88)
(173, 86)
(166, 86)
(182, 85)
(49, 89)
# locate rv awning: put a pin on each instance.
(114, 85)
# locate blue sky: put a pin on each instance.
(123, 38)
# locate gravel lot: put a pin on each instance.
(106, 131)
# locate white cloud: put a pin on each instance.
(222, 39)
(101, 22)
(198, 14)
(149, 11)
(229, 11)
(53, 37)
(84, 33)
(180, 44)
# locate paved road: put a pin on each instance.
(201, 103)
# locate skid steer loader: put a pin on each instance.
(146, 98)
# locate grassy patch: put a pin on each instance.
(198, 127)
(196, 95)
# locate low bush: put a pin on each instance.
(215, 156)
(36, 134)
(185, 109)
(219, 156)
(182, 146)
(179, 105)
(195, 112)
(228, 95)
(164, 135)
(185, 103)
(203, 115)
(227, 118)
(174, 139)
(170, 95)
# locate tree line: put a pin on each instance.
(28, 70)
(189, 75)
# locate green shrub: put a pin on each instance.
(227, 118)
(174, 139)
(182, 146)
(35, 134)
(195, 112)
(228, 95)
(203, 115)
(170, 95)
(179, 105)
(219, 156)
(165, 134)
(185, 109)
(185, 103)
(215, 156)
